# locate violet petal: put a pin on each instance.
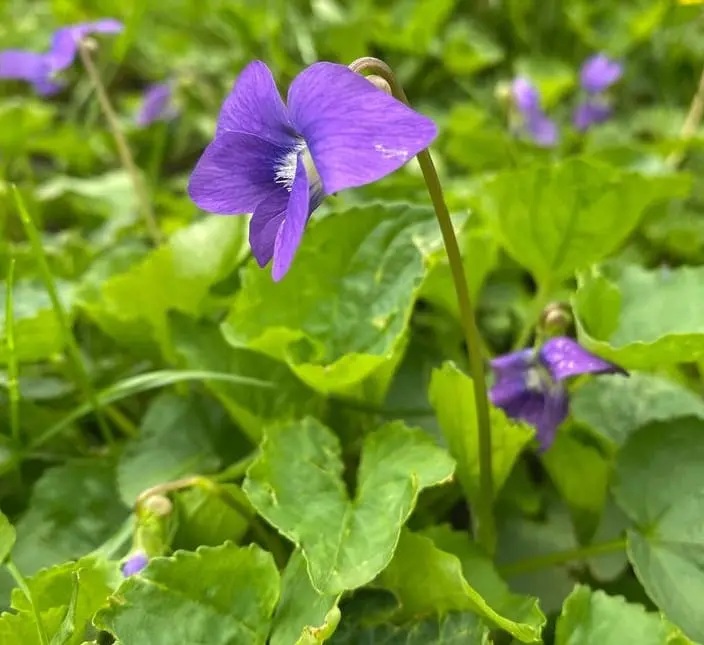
(155, 105)
(254, 105)
(542, 130)
(266, 221)
(356, 133)
(590, 113)
(599, 72)
(64, 45)
(23, 65)
(513, 362)
(235, 173)
(525, 96)
(290, 233)
(135, 563)
(565, 357)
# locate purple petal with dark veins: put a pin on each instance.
(599, 72)
(64, 45)
(235, 173)
(565, 357)
(266, 221)
(290, 233)
(254, 105)
(356, 133)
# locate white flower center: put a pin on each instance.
(285, 171)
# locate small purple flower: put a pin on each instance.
(598, 73)
(134, 563)
(591, 112)
(529, 384)
(41, 69)
(156, 105)
(534, 122)
(278, 161)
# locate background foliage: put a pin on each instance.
(325, 423)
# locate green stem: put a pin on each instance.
(235, 471)
(22, 584)
(485, 528)
(123, 149)
(13, 386)
(71, 344)
(529, 565)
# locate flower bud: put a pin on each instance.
(555, 319)
(380, 83)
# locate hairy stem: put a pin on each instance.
(540, 562)
(485, 528)
(74, 351)
(123, 149)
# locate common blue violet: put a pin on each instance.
(40, 69)
(529, 384)
(279, 161)
(156, 105)
(534, 122)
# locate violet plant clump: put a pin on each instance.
(279, 161)
(597, 75)
(533, 121)
(157, 104)
(41, 70)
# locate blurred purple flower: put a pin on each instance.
(529, 384)
(589, 113)
(535, 123)
(279, 161)
(599, 72)
(156, 105)
(40, 69)
(135, 563)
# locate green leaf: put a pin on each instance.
(468, 48)
(201, 346)
(480, 254)
(73, 509)
(614, 407)
(595, 618)
(7, 537)
(563, 217)
(303, 616)
(297, 486)
(204, 518)
(37, 330)
(68, 624)
(178, 437)
(73, 592)
(455, 575)
(570, 463)
(345, 305)
(660, 485)
(453, 629)
(218, 595)
(452, 396)
(133, 306)
(16, 629)
(410, 25)
(656, 317)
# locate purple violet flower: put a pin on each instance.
(534, 122)
(278, 161)
(598, 73)
(156, 105)
(135, 563)
(591, 112)
(41, 69)
(529, 384)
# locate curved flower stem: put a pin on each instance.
(123, 150)
(484, 528)
(690, 125)
(541, 562)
